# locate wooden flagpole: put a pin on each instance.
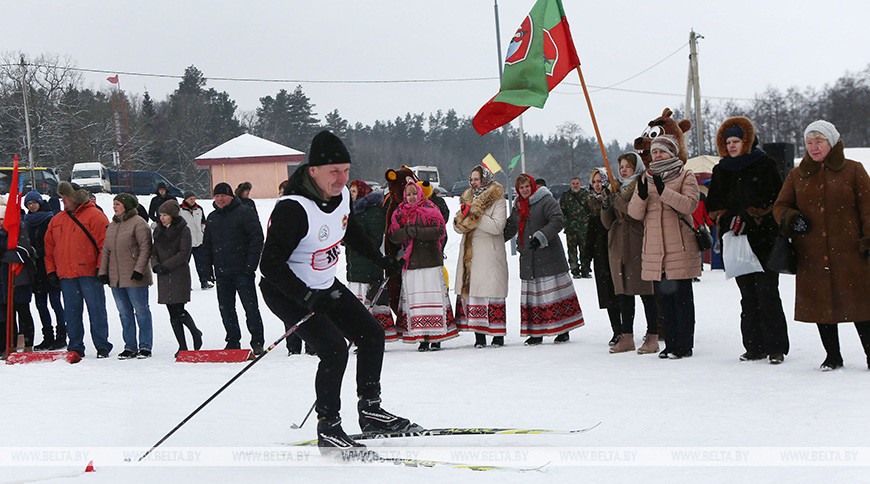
(10, 293)
(595, 125)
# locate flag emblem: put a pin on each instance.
(519, 46)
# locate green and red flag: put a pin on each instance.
(539, 56)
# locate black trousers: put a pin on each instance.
(328, 334)
(227, 287)
(830, 335)
(650, 309)
(762, 321)
(677, 306)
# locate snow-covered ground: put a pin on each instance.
(709, 418)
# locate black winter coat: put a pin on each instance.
(369, 211)
(154, 208)
(37, 226)
(748, 191)
(233, 239)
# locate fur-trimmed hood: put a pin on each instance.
(373, 199)
(539, 195)
(748, 139)
(493, 192)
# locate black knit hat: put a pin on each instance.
(734, 131)
(327, 149)
(223, 188)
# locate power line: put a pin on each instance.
(643, 71)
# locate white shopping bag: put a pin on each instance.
(737, 256)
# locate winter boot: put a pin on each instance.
(832, 363)
(374, 419)
(178, 331)
(613, 340)
(776, 358)
(534, 341)
(47, 339)
(434, 346)
(562, 338)
(479, 340)
(331, 438)
(424, 346)
(650, 345)
(624, 343)
(753, 356)
(60, 339)
(498, 341)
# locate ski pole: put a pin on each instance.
(371, 305)
(221, 389)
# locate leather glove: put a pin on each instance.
(53, 280)
(660, 184)
(535, 243)
(137, 276)
(160, 269)
(737, 225)
(800, 225)
(391, 265)
(321, 300)
(104, 278)
(643, 188)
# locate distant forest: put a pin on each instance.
(72, 124)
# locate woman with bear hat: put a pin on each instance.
(670, 256)
(824, 205)
(743, 187)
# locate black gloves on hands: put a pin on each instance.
(160, 269)
(643, 188)
(660, 184)
(391, 265)
(53, 280)
(321, 300)
(104, 278)
(800, 225)
(137, 276)
(535, 243)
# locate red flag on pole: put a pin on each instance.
(113, 79)
(12, 218)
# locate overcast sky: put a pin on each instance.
(747, 46)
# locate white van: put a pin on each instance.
(427, 173)
(92, 176)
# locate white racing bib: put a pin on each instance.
(314, 259)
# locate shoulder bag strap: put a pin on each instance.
(90, 237)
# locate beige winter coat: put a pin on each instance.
(669, 245)
(127, 248)
(482, 266)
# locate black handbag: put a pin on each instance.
(783, 258)
(702, 235)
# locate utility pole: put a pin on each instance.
(27, 123)
(693, 89)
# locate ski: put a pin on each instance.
(456, 431)
(371, 456)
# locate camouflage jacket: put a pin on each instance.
(575, 210)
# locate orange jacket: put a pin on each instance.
(68, 251)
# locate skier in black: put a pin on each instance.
(298, 263)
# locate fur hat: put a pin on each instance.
(169, 207)
(223, 188)
(828, 130)
(738, 126)
(667, 143)
(130, 202)
(327, 149)
(73, 192)
(33, 196)
(243, 187)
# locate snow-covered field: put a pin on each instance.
(709, 418)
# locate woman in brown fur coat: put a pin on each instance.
(825, 206)
(481, 272)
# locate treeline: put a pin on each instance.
(72, 124)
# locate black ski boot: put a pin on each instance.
(332, 438)
(373, 419)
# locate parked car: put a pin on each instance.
(459, 188)
(144, 183)
(558, 189)
(46, 180)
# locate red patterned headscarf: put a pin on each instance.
(362, 188)
(522, 204)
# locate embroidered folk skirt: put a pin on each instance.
(426, 314)
(381, 313)
(484, 315)
(549, 306)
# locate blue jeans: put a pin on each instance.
(130, 300)
(227, 287)
(77, 292)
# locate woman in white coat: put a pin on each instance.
(481, 272)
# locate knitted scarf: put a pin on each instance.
(485, 180)
(522, 204)
(668, 169)
(422, 212)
